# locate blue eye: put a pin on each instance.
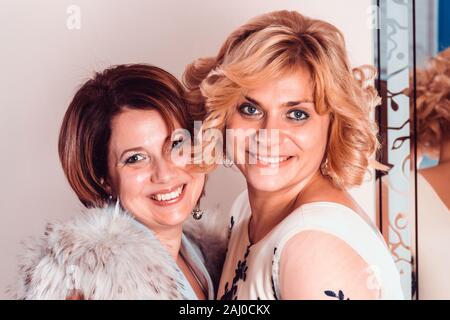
(134, 158)
(297, 115)
(249, 109)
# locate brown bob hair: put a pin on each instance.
(86, 127)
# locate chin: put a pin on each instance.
(169, 219)
(155, 217)
(172, 220)
(171, 216)
(268, 183)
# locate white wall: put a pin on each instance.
(42, 63)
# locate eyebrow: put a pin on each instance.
(285, 104)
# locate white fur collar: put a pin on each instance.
(102, 253)
(107, 255)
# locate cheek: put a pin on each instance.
(236, 137)
(197, 183)
(131, 182)
(232, 121)
(236, 121)
(307, 140)
(311, 140)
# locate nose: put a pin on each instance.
(163, 171)
(269, 133)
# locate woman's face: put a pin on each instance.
(291, 148)
(142, 175)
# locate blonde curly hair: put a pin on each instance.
(274, 44)
(433, 101)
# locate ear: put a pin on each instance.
(105, 183)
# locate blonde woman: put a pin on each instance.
(433, 140)
(284, 80)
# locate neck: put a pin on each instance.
(444, 155)
(170, 239)
(269, 208)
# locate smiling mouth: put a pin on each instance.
(170, 196)
(269, 161)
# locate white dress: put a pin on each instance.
(251, 271)
(433, 242)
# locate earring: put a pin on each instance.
(197, 213)
(227, 163)
(102, 182)
(324, 167)
(117, 207)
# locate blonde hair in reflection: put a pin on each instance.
(274, 44)
(433, 101)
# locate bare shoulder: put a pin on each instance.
(437, 173)
(324, 190)
(438, 178)
(319, 265)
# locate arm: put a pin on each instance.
(318, 265)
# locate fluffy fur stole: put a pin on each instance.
(105, 254)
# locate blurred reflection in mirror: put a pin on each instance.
(432, 139)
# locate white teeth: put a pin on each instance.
(168, 196)
(271, 160)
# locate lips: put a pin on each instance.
(169, 196)
(271, 161)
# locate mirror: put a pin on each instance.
(431, 112)
(413, 58)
